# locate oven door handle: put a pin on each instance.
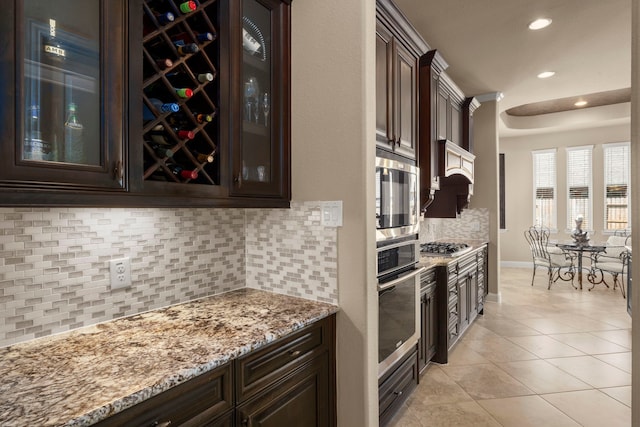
(394, 282)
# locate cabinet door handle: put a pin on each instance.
(161, 424)
(117, 171)
(245, 422)
(238, 180)
(295, 353)
(398, 393)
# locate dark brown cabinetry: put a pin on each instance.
(428, 318)
(63, 94)
(398, 47)
(395, 386)
(147, 102)
(204, 400)
(461, 291)
(445, 128)
(290, 382)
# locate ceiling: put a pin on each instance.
(489, 49)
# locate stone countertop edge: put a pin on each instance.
(84, 376)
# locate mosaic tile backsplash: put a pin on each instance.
(289, 252)
(54, 262)
(472, 224)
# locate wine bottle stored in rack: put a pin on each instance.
(180, 89)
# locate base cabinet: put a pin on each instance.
(428, 319)
(461, 290)
(290, 382)
(395, 386)
(299, 401)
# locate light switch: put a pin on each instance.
(331, 214)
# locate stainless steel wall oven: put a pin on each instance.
(398, 292)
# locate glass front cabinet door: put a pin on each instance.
(62, 112)
(261, 152)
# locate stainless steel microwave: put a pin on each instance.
(397, 211)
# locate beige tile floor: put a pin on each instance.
(559, 357)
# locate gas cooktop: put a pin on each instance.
(444, 249)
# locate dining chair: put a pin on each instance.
(559, 263)
(614, 261)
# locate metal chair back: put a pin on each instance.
(538, 239)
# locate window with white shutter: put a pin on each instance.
(579, 186)
(616, 186)
(544, 189)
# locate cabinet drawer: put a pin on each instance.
(261, 368)
(453, 296)
(302, 399)
(428, 278)
(200, 401)
(394, 389)
(453, 334)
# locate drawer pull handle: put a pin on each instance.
(398, 393)
(159, 424)
(295, 353)
(245, 422)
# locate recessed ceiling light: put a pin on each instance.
(580, 103)
(546, 74)
(540, 23)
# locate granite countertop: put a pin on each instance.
(81, 377)
(430, 261)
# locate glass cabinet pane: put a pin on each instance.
(257, 93)
(62, 82)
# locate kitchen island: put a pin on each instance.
(87, 375)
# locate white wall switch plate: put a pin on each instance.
(120, 270)
(331, 214)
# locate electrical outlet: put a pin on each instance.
(120, 273)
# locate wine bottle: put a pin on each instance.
(187, 6)
(164, 63)
(51, 45)
(169, 107)
(165, 107)
(185, 38)
(183, 173)
(159, 135)
(164, 18)
(203, 157)
(181, 78)
(161, 151)
(184, 92)
(185, 49)
(182, 119)
(73, 144)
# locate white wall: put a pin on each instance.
(333, 151)
(519, 183)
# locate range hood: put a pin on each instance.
(454, 182)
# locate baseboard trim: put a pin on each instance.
(494, 297)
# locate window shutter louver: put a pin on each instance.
(616, 181)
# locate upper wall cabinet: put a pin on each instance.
(63, 96)
(446, 122)
(398, 47)
(260, 165)
(146, 103)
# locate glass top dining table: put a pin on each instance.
(580, 249)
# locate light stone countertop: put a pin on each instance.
(81, 377)
(430, 261)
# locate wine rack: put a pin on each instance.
(181, 91)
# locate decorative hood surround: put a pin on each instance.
(455, 181)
